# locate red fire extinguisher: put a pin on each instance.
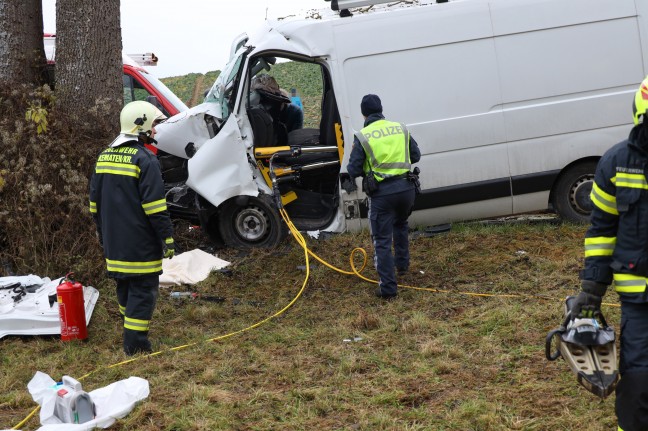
(69, 295)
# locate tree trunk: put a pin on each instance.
(22, 56)
(88, 61)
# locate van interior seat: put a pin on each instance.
(266, 134)
(262, 126)
(321, 183)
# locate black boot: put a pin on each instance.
(387, 296)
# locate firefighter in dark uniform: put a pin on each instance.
(133, 225)
(384, 151)
(616, 250)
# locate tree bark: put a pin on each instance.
(89, 60)
(22, 56)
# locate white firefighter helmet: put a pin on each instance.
(135, 118)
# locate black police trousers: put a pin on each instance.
(388, 218)
(137, 297)
(632, 389)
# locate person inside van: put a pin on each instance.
(291, 115)
(295, 99)
(286, 117)
(383, 152)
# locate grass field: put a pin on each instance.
(339, 358)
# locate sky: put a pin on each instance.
(190, 36)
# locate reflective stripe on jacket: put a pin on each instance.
(386, 144)
(616, 244)
(128, 205)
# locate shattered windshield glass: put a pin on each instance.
(222, 90)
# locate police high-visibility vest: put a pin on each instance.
(386, 145)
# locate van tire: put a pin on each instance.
(571, 192)
(251, 222)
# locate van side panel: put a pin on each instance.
(515, 16)
(446, 89)
(566, 79)
(568, 74)
(642, 19)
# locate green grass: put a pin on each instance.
(425, 361)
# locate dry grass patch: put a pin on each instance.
(341, 359)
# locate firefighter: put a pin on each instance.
(616, 249)
(133, 224)
(383, 152)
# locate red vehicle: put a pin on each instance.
(139, 84)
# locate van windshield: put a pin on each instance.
(221, 91)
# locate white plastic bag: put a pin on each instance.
(112, 402)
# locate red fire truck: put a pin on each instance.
(139, 84)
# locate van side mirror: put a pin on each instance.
(263, 64)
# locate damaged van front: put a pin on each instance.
(233, 160)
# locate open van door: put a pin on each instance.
(219, 170)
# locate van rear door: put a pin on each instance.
(568, 73)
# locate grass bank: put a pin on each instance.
(341, 359)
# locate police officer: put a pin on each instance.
(616, 249)
(384, 151)
(133, 225)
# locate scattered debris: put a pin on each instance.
(524, 218)
(303, 267)
(431, 231)
(194, 295)
(28, 305)
(225, 271)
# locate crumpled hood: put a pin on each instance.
(175, 133)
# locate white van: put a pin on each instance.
(512, 102)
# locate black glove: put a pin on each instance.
(349, 185)
(588, 301)
(169, 248)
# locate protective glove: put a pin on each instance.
(349, 185)
(588, 301)
(169, 248)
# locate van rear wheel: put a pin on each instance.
(572, 190)
(255, 222)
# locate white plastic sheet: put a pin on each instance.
(190, 267)
(112, 402)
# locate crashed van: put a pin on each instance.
(512, 104)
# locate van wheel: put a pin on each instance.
(255, 223)
(571, 194)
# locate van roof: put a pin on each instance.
(311, 32)
(326, 13)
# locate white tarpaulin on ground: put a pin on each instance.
(190, 267)
(112, 402)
